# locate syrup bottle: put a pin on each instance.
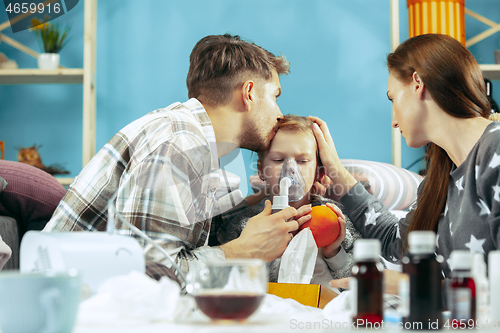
(462, 290)
(366, 284)
(424, 303)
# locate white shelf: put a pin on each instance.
(84, 76)
(38, 76)
(491, 72)
(65, 181)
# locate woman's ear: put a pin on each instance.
(418, 84)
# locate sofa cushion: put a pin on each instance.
(30, 196)
(3, 183)
(394, 186)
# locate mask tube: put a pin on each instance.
(297, 189)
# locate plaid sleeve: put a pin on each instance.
(168, 195)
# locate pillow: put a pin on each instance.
(30, 194)
(3, 183)
(394, 186)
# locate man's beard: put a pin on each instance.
(252, 140)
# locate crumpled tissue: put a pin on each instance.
(339, 309)
(135, 299)
(299, 259)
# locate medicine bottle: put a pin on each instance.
(366, 284)
(482, 286)
(424, 298)
(462, 291)
(494, 277)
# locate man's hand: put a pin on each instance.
(266, 235)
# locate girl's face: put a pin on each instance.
(409, 115)
(298, 145)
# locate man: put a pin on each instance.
(164, 170)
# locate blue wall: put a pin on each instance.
(337, 50)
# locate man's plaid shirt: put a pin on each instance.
(164, 170)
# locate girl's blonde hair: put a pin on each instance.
(294, 123)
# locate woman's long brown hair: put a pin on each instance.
(455, 82)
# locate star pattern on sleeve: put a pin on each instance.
(496, 196)
(484, 208)
(495, 161)
(459, 183)
(475, 245)
(371, 217)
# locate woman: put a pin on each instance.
(438, 94)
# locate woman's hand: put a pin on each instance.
(342, 179)
(332, 249)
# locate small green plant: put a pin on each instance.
(51, 37)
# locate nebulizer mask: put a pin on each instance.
(299, 259)
(292, 186)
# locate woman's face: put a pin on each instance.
(298, 145)
(409, 114)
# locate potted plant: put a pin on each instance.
(52, 38)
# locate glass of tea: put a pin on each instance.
(230, 290)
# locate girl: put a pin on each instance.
(295, 139)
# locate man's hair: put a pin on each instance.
(220, 63)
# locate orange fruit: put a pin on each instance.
(324, 225)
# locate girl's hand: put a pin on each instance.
(340, 283)
(334, 169)
(321, 186)
(332, 249)
(302, 216)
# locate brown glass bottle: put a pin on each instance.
(367, 284)
(424, 278)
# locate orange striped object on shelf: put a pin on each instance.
(438, 17)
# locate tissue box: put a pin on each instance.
(306, 294)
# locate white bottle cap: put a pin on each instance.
(366, 249)
(460, 259)
(420, 242)
(494, 266)
(478, 264)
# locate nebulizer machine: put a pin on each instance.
(292, 186)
